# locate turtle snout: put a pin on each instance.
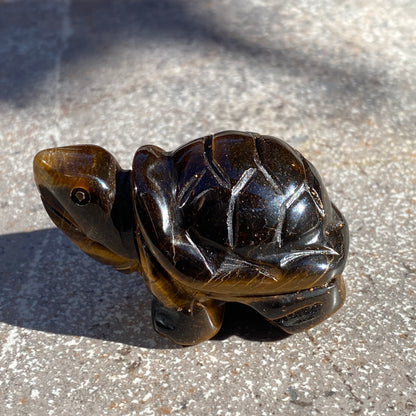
(40, 164)
(44, 167)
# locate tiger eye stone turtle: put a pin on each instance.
(230, 217)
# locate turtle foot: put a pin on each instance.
(188, 327)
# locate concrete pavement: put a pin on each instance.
(335, 79)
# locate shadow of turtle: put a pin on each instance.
(244, 322)
(47, 284)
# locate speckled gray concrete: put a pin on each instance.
(335, 79)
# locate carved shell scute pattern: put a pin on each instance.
(244, 199)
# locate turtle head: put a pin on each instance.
(88, 196)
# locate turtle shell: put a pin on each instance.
(236, 214)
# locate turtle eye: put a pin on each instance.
(80, 196)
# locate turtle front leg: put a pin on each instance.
(188, 326)
(176, 314)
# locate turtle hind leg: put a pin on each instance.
(299, 311)
(188, 327)
(302, 319)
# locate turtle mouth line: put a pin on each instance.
(54, 213)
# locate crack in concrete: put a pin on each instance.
(338, 370)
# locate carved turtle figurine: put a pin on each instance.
(230, 217)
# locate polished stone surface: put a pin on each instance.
(334, 79)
